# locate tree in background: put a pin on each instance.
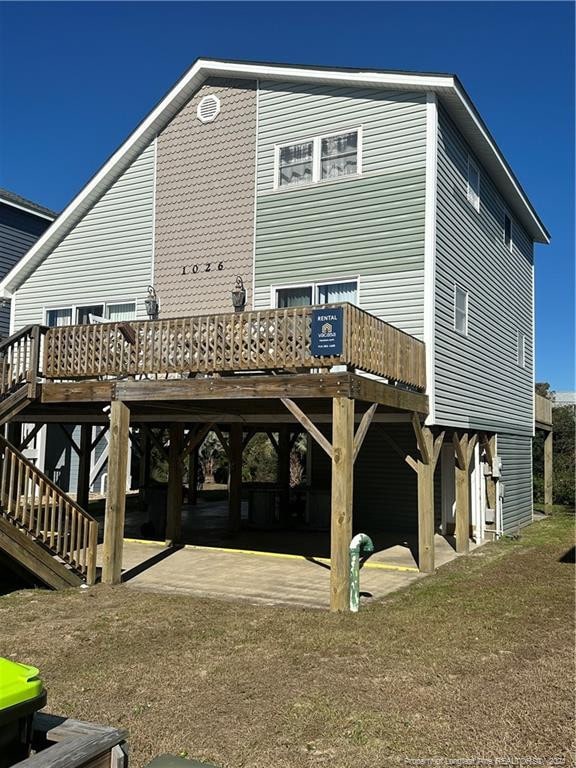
(564, 451)
(212, 457)
(259, 460)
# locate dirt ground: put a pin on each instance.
(475, 662)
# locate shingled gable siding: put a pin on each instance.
(18, 232)
(371, 226)
(106, 257)
(205, 202)
(479, 383)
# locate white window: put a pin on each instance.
(317, 293)
(58, 317)
(473, 185)
(322, 158)
(460, 310)
(507, 231)
(521, 349)
(121, 311)
(87, 313)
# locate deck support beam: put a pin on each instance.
(83, 487)
(548, 469)
(342, 490)
(116, 492)
(464, 450)
(429, 450)
(174, 497)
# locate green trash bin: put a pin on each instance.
(21, 694)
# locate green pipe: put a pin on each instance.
(360, 541)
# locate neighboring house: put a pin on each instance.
(562, 399)
(21, 224)
(319, 186)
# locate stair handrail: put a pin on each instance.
(20, 359)
(56, 519)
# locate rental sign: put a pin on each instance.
(327, 332)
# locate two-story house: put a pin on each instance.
(277, 190)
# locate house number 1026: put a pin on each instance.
(206, 267)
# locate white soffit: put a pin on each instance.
(447, 87)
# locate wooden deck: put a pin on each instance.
(268, 340)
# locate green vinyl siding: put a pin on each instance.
(106, 257)
(369, 226)
(478, 382)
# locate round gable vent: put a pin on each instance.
(208, 108)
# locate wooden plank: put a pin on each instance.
(464, 447)
(548, 469)
(90, 751)
(373, 391)
(116, 493)
(175, 479)
(341, 513)
(235, 478)
(76, 391)
(425, 469)
(308, 425)
(236, 387)
(34, 558)
(420, 439)
(363, 427)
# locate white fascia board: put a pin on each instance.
(31, 211)
(175, 100)
(545, 237)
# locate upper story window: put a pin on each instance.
(507, 231)
(317, 293)
(461, 310)
(322, 158)
(473, 184)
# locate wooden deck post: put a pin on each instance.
(425, 517)
(464, 448)
(548, 469)
(193, 476)
(429, 450)
(175, 475)
(83, 487)
(235, 478)
(284, 471)
(342, 490)
(116, 492)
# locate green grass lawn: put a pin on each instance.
(474, 662)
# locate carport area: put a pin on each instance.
(265, 578)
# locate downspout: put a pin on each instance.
(360, 541)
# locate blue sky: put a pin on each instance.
(75, 79)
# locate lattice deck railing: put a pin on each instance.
(275, 339)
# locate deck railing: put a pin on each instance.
(36, 504)
(20, 356)
(275, 339)
(542, 409)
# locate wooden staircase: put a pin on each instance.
(42, 529)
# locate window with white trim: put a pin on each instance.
(88, 313)
(460, 310)
(521, 349)
(317, 293)
(322, 158)
(507, 231)
(473, 184)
